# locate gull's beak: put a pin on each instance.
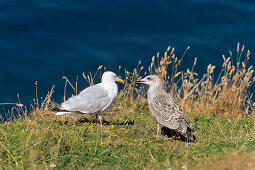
(120, 80)
(140, 81)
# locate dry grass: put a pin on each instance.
(228, 95)
(215, 109)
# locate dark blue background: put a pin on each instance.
(44, 40)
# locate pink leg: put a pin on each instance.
(158, 128)
(100, 120)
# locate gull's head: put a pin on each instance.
(111, 77)
(150, 80)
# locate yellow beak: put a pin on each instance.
(120, 80)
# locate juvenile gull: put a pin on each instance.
(165, 109)
(93, 99)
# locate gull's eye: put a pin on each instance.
(114, 76)
(148, 78)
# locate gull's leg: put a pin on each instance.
(100, 119)
(158, 128)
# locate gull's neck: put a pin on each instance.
(155, 89)
(109, 85)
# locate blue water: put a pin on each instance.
(43, 40)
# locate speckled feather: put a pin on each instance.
(168, 113)
(165, 109)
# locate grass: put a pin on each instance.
(128, 141)
(220, 111)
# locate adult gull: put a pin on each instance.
(93, 99)
(165, 109)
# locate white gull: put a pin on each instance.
(93, 99)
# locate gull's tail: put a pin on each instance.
(191, 135)
(59, 112)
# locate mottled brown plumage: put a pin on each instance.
(165, 109)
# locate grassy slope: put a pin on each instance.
(126, 141)
(243, 161)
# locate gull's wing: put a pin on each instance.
(90, 100)
(169, 113)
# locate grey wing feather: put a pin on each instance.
(90, 100)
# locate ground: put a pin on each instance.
(126, 141)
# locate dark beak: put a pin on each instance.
(140, 81)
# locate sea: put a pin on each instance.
(43, 40)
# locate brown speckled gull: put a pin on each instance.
(165, 109)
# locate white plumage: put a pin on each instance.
(93, 99)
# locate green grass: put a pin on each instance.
(126, 141)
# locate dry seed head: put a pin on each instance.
(100, 67)
(141, 68)
(188, 47)
(243, 65)
(172, 50)
(195, 61)
(233, 69)
(188, 71)
(168, 48)
(209, 67)
(135, 71)
(223, 57)
(238, 44)
(242, 48)
(119, 67)
(229, 65)
(153, 58)
(158, 55)
(177, 74)
(250, 68)
(165, 54)
(152, 64)
(248, 53)
(230, 53)
(139, 62)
